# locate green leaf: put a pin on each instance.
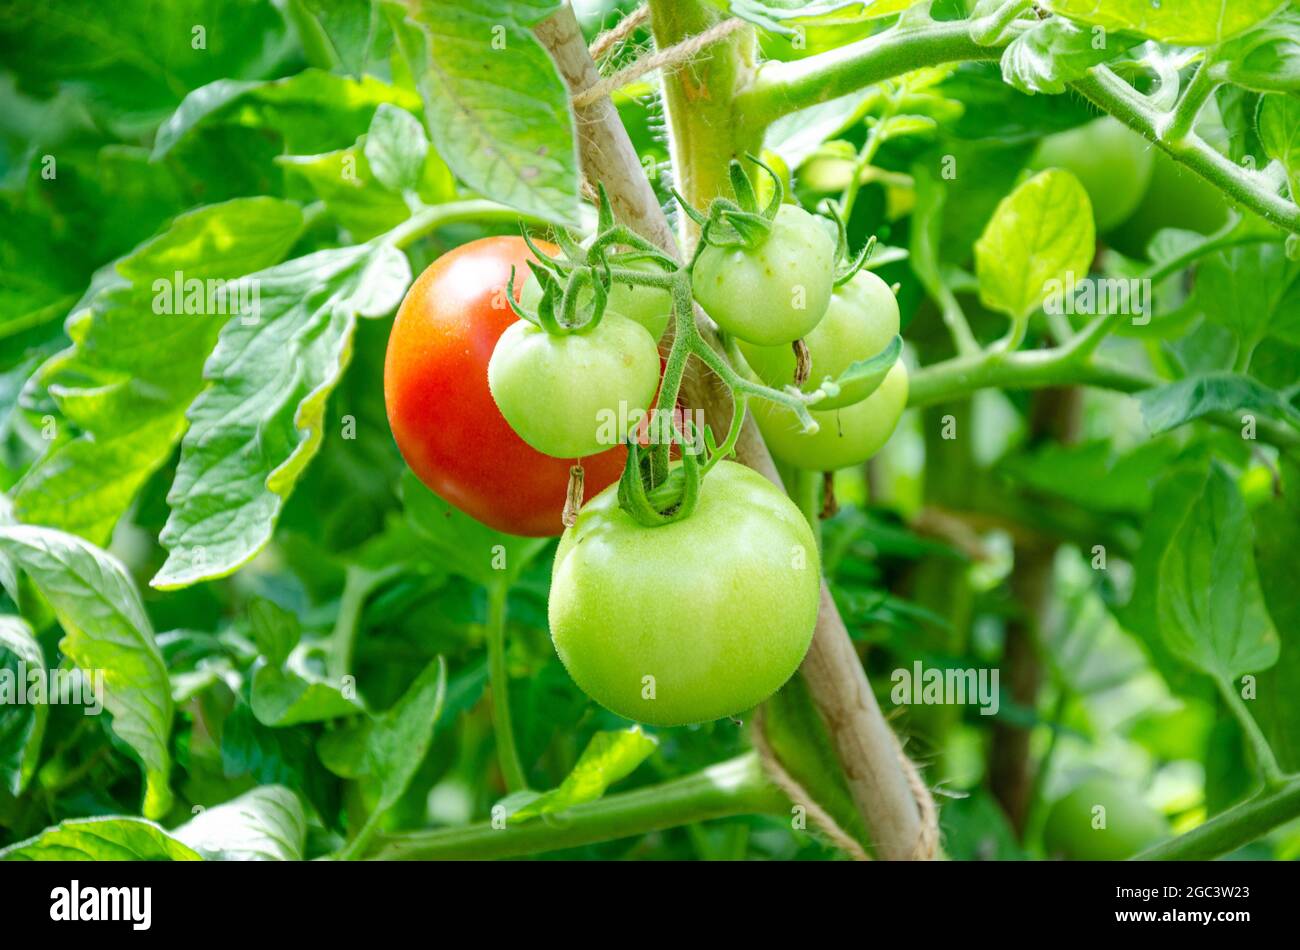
(1186, 22)
(312, 110)
(266, 824)
(259, 422)
(1266, 59)
(348, 34)
(101, 839)
(108, 634)
(1277, 538)
(1093, 474)
(276, 631)
(1039, 234)
(1053, 53)
(1209, 604)
(1279, 132)
(608, 758)
(399, 739)
(136, 363)
(1169, 406)
(462, 545)
(776, 16)
(396, 147)
(129, 63)
(21, 726)
(351, 189)
(871, 372)
(497, 110)
(294, 694)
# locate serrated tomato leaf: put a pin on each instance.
(260, 421)
(106, 633)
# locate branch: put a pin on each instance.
(782, 88)
(1251, 189)
(869, 752)
(1234, 828)
(962, 376)
(731, 788)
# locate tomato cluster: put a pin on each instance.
(689, 591)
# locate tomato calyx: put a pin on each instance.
(845, 269)
(576, 284)
(739, 223)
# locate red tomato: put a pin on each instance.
(435, 386)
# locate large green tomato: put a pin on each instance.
(1111, 160)
(690, 621)
(565, 395)
(775, 293)
(846, 436)
(649, 306)
(860, 321)
(1130, 825)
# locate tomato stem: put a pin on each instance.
(499, 682)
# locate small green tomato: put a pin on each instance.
(861, 320)
(564, 395)
(775, 293)
(846, 436)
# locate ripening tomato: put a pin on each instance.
(690, 621)
(442, 415)
(1102, 820)
(774, 293)
(846, 436)
(564, 394)
(860, 321)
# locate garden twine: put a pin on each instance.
(677, 55)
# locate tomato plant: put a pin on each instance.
(953, 353)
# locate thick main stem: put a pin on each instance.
(867, 748)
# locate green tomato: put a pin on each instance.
(846, 436)
(690, 621)
(775, 293)
(565, 395)
(1130, 825)
(649, 306)
(861, 320)
(1111, 160)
